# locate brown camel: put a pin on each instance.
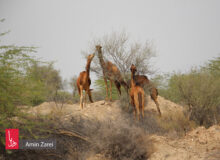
(84, 82)
(111, 73)
(136, 95)
(143, 81)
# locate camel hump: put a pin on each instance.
(83, 72)
(141, 79)
(112, 67)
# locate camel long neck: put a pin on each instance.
(88, 67)
(132, 79)
(101, 59)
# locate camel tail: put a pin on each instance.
(140, 100)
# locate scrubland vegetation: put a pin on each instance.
(198, 90)
(26, 81)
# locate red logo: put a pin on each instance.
(11, 138)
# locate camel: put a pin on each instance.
(143, 81)
(111, 73)
(136, 95)
(84, 82)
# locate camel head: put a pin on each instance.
(98, 47)
(133, 68)
(91, 56)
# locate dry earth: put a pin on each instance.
(199, 144)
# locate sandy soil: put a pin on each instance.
(199, 144)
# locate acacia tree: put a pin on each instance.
(14, 61)
(118, 48)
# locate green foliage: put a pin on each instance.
(22, 82)
(171, 91)
(73, 85)
(175, 123)
(199, 90)
(63, 97)
(44, 82)
(100, 85)
(213, 67)
(13, 63)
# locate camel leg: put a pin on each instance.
(110, 90)
(118, 86)
(133, 105)
(106, 86)
(153, 95)
(81, 97)
(86, 93)
(78, 89)
(131, 101)
(90, 96)
(135, 113)
(143, 106)
(124, 85)
(157, 104)
(158, 108)
(136, 101)
(138, 114)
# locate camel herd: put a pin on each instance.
(112, 73)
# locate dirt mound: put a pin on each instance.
(109, 132)
(166, 106)
(198, 144)
(101, 109)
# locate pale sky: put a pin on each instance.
(185, 33)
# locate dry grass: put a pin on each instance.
(175, 123)
(172, 123)
(109, 132)
(122, 141)
(81, 139)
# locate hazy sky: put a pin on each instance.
(185, 33)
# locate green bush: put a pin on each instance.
(63, 97)
(100, 85)
(44, 82)
(13, 89)
(22, 83)
(199, 90)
